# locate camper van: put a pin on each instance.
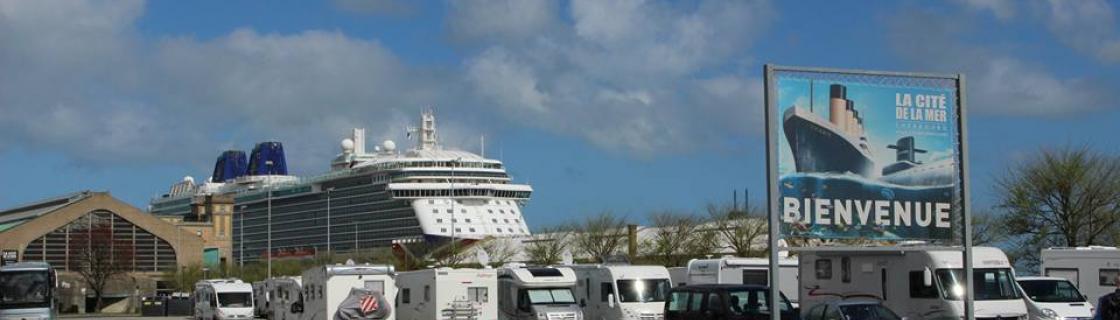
(915, 283)
(537, 293)
(622, 291)
(28, 290)
(755, 271)
(260, 300)
(343, 289)
(446, 293)
(223, 299)
(282, 293)
(1091, 269)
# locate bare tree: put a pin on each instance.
(674, 239)
(1067, 197)
(99, 258)
(547, 245)
(600, 236)
(500, 249)
(987, 229)
(738, 230)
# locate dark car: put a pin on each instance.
(724, 302)
(859, 309)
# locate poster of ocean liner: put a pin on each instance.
(866, 156)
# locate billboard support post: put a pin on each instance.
(774, 226)
(966, 207)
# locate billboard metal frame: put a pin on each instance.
(774, 226)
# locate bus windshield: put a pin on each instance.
(25, 289)
(1051, 291)
(989, 284)
(647, 290)
(235, 299)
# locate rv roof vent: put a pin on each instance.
(545, 272)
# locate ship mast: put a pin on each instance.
(427, 131)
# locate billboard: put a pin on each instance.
(865, 155)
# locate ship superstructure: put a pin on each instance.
(367, 199)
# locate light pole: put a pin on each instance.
(329, 220)
(270, 233)
(241, 234)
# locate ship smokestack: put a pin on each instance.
(838, 97)
(853, 123)
(850, 109)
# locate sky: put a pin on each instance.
(625, 106)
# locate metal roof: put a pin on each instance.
(15, 216)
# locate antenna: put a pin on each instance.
(482, 257)
(566, 257)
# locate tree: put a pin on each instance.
(500, 249)
(600, 236)
(739, 231)
(1067, 197)
(547, 245)
(676, 239)
(99, 258)
(987, 229)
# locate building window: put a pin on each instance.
(468, 220)
(824, 269)
(472, 230)
(439, 220)
(435, 210)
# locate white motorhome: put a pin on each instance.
(733, 270)
(537, 293)
(679, 276)
(622, 291)
(1091, 269)
(328, 290)
(446, 293)
(915, 283)
(260, 299)
(282, 293)
(223, 299)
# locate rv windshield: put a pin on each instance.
(1051, 291)
(989, 284)
(25, 289)
(551, 296)
(648, 290)
(235, 299)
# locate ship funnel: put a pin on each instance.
(230, 165)
(837, 106)
(268, 159)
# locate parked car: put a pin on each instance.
(1054, 298)
(851, 309)
(724, 302)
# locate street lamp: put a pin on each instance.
(270, 233)
(329, 219)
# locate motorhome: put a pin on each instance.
(223, 299)
(622, 291)
(282, 293)
(679, 276)
(1091, 269)
(755, 271)
(447, 293)
(537, 293)
(916, 283)
(28, 291)
(331, 290)
(260, 300)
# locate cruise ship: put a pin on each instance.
(366, 200)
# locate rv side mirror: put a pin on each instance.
(297, 307)
(927, 277)
(610, 300)
(582, 303)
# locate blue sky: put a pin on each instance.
(629, 106)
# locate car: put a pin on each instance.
(1051, 298)
(851, 309)
(724, 302)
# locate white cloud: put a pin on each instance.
(998, 83)
(643, 77)
(375, 7)
(500, 20)
(1003, 10)
(1088, 26)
